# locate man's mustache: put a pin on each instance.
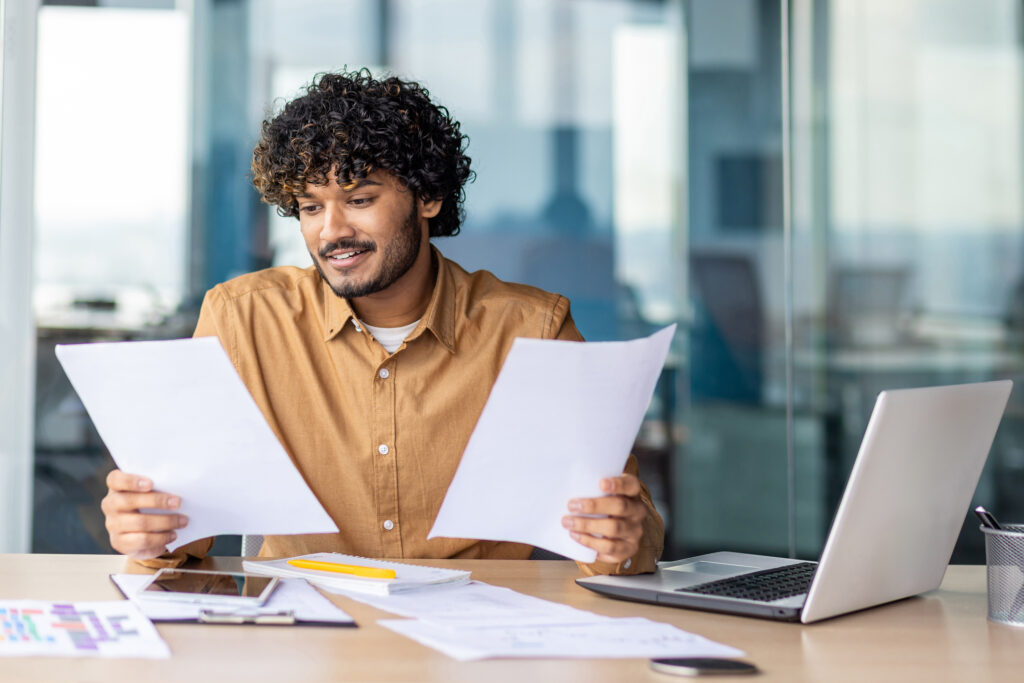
(346, 245)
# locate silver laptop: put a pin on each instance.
(893, 535)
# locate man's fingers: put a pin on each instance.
(614, 506)
(608, 549)
(606, 527)
(118, 502)
(144, 546)
(123, 481)
(616, 526)
(130, 523)
(609, 505)
(623, 485)
(140, 535)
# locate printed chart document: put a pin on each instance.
(77, 629)
(561, 417)
(293, 596)
(479, 621)
(635, 637)
(408, 577)
(178, 413)
(476, 603)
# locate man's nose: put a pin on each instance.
(335, 226)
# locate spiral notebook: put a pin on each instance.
(407, 576)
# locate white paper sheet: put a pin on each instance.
(475, 603)
(178, 413)
(561, 416)
(292, 595)
(77, 629)
(608, 638)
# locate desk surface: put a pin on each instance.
(941, 636)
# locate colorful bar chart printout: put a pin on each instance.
(77, 629)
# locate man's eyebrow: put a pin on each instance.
(357, 183)
(354, 185)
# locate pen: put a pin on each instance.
(986, 518)
(368, 572)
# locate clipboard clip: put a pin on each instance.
(281, 618)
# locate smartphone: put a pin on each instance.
(702, 666)
(236, 589)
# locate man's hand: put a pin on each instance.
(139, 535)
(616, 535)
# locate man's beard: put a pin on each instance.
(398, 257)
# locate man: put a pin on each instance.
(373, 366)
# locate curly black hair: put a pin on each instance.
(352, 124)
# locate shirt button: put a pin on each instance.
(383, 374)
(383, 449)
(627, 563)
(388, 525)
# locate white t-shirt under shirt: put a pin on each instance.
(391, 337)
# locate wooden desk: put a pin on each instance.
(942, 636)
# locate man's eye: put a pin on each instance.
(360, 201)
(309, 208)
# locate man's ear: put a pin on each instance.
(429, 208)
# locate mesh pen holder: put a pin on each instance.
(1004, 558)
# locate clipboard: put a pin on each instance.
(279, 618)
(293, 603)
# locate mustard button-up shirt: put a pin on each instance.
(378, 436)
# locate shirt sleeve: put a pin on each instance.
(197, 549)
(211, 317)
(652, 543)
(208, 326)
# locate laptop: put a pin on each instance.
(894, 532)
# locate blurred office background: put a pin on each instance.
(827, 196)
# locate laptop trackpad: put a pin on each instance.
(714, 568)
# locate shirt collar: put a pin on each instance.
(439, 317)
(337, 312)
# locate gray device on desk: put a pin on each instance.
(229, 589)
(894, 532)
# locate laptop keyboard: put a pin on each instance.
(763, 586)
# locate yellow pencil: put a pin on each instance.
(369, 572)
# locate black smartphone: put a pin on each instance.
(702, 666)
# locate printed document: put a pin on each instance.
(77, 629)
(478, 621)
(475, 603)
(178, 413)
(561, 416)
(634, 637)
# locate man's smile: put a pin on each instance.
(345, 257)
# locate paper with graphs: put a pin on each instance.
(115, 629)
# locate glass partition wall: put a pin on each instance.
(111, 210)
(907, 234)
(824, 195)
